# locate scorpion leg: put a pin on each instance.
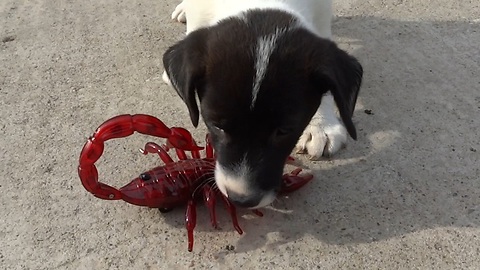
(190, 222)
(233, 213)
(292, 161)
(209, 195)
(153, 148)
(257, 212)
(195, 153)
(292, 181)
(181, 154)
(209, 147)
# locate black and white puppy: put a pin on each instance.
(268, 78)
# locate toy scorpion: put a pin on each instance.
(170, 185)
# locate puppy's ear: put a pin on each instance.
(342, 75)
(185, 66)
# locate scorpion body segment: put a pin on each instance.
(168, 186)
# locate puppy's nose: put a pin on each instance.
(244, 201)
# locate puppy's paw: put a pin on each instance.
(336, 138)
(312, 141)
(322, 139)
(179, 13)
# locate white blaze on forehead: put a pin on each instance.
(264, 48)
(233, 181)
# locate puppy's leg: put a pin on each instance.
(179, 13)
(325, 134)
(196, 14)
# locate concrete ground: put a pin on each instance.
(406, 195)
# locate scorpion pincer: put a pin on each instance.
(169, 185)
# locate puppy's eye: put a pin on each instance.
(282, 132)
(219, 129)
(220, 135)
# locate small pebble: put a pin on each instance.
(8, 39)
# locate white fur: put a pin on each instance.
(265, 46)
(325, 134)
(266, 200)
(226, 181)
(179, 13)
(315, 15)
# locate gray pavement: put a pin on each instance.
(406, 195)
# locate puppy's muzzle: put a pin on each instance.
(240, 190)
(241, 200)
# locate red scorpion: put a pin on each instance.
(172, 184)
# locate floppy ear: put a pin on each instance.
(185, 66)
(342, 75)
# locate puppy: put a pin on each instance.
(268, 78)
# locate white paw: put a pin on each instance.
(325, 135)
(166, 79)
(319, 140)
(336, 139)
(179, 13)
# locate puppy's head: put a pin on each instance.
(258, 87)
